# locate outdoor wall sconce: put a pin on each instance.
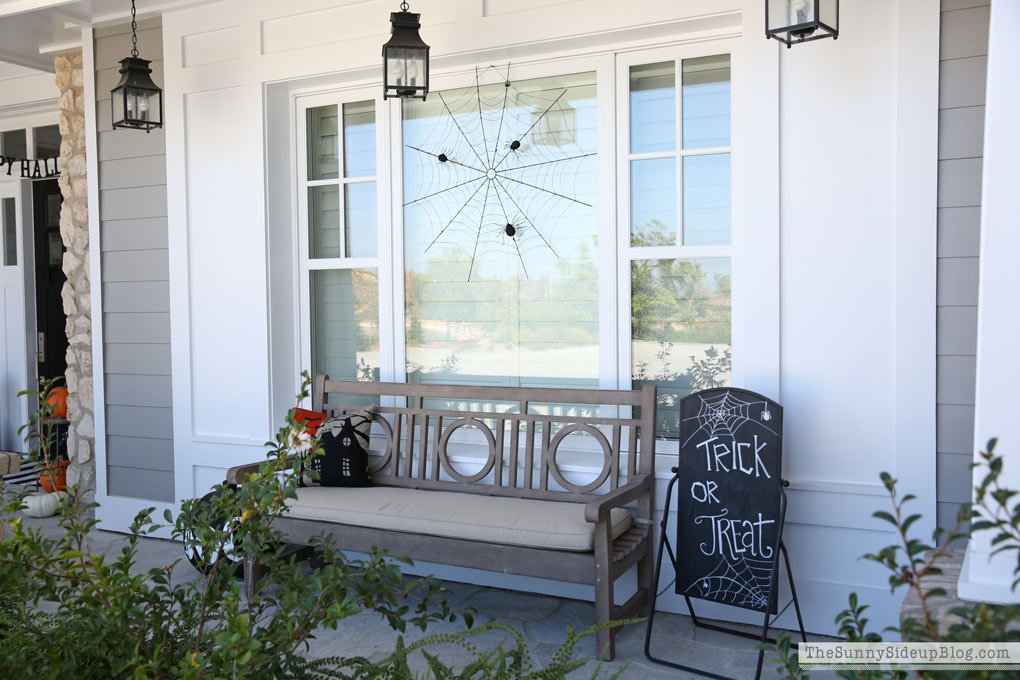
(797, 21)
(137, 101)
(405, 58)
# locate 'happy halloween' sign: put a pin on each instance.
(31, 168)
(730, 510)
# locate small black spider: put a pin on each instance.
(510, 230)
(442, 158)
(515, 145)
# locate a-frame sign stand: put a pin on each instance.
(730, 523)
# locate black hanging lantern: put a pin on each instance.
(797, 21)
(405, 57)
(137, 101)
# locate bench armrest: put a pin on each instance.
(236, 474)
(597, 510)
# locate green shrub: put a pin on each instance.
(68, 611)
(912, 562)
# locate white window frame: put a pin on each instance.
(383, 261)
(616, 254)
(629, 253)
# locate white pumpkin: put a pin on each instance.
(41, 504)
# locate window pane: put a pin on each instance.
(10, 233)
(323, 145)
(680, 313)
(360, 219)
(359, 139)
(653, 202)
(324, 221)
(345, 324)
(488, 305)
(14, 143)
(653, 107)
(47, 141)
(707, 200)
(706, 101)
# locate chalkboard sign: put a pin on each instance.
(729, 509)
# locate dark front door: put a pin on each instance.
(49, 279)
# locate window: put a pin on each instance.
(14, 143)
(338, 243)
(501, 248)
(500, 271)
(47, 141)
(678, 162)
(10, 232)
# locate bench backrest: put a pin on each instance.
(522, 442)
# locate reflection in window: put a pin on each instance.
(680, 313)
(653, 107)
(359, 139)
(14, 143)
(322, 143)
(707, 200)
(483, 307)
(706, 101)
(345, 323)
(653, 202)
(47, 141)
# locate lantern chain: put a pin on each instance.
(134, 31)
(403, 6)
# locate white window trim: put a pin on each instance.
(615, 253)
(630, 253)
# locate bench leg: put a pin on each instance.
(605, 638)
(253, 573)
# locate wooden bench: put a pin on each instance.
(518, 478)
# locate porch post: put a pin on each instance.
(998, 364)
(76, 293)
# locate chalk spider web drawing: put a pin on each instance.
(744, 583)
(498, 169)
(724, 415)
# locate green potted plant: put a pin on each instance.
(44, 433)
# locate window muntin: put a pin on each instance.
(481, 307)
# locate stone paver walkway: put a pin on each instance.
(543, 621)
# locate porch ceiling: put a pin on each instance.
(32, 30)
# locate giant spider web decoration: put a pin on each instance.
(744, 583)
(500, 169)
(724, 415)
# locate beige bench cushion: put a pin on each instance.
(492, 519)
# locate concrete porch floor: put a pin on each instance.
(543, 621)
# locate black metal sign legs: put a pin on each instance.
(666, 546)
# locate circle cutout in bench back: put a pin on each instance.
(204, 563)
(444, 456)
(607, 458)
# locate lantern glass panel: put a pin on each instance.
(828, 13)
(119, 112)
(405, 67)
(785, 13)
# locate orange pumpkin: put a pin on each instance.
(57, 398)
(54, 482)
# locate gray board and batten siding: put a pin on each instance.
(136, 286)
(963, 63)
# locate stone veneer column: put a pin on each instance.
(74, 229)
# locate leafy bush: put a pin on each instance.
(912, 562)
(68, 611)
